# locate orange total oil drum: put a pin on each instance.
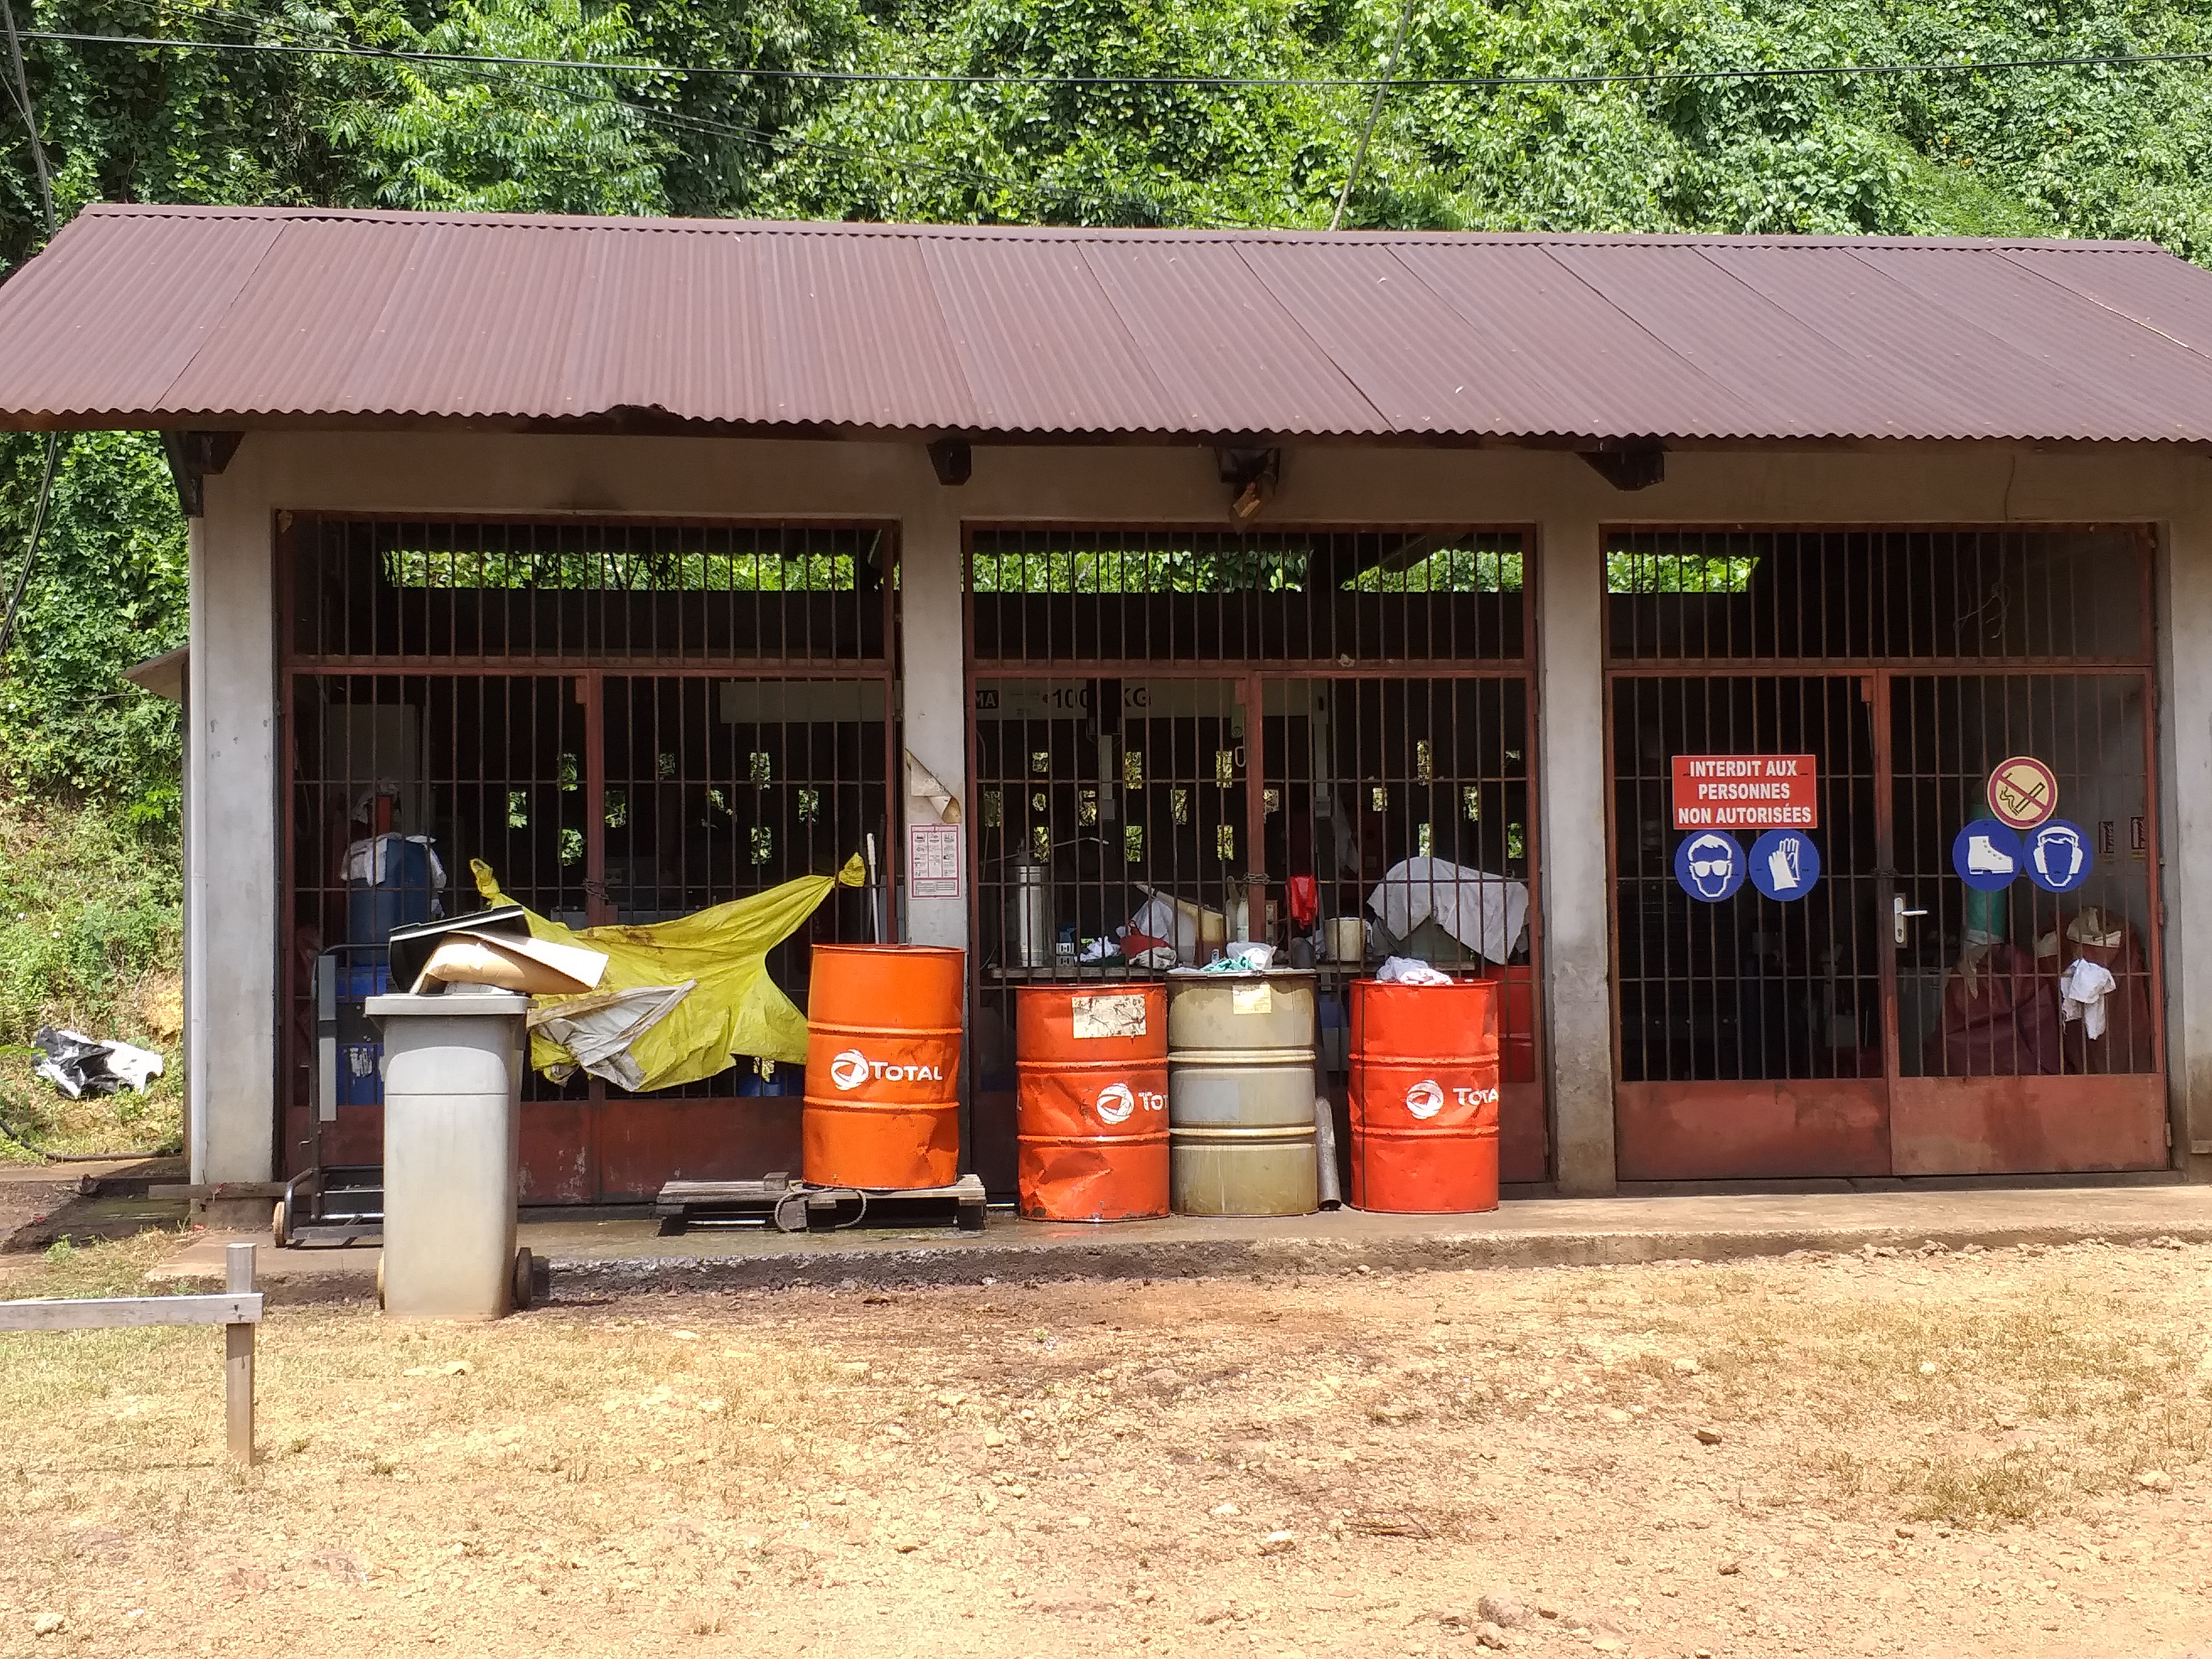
(1091, 1118)
(883, 1067)
(1424, 1096)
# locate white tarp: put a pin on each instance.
(1487, 913)
(599, 1029)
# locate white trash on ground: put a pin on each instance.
(79, 1065)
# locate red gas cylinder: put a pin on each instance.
(883, 1067)
(1091, 1116)
(1424, 1096)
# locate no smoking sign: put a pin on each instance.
(2023, 792)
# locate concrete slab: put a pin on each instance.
(589, 1255)
(82, 1199)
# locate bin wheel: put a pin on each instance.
(280, 1222)
(525, 1286)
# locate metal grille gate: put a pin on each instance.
(1890, 1022)
(1172, 724)
(627, 722)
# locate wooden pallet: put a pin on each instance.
(792, 1206)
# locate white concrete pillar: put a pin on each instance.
(231, 930)
(932, 663)
(2185, 826)
(1573, 777)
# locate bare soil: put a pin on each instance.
(1997, 1453)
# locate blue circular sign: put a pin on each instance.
(1784, 863)
(2059, 858)
(1710, 864)
(1986, 855)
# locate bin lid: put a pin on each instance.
(461, 999)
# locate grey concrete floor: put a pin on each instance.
(631, 1253)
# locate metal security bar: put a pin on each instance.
(1895, 1017)
(399, 783)
(502, 591)
(1103, 596)
(1183, 740)
(1978, 979)
(625, 723)
(1087, 820)
(1410, 801)
(715, 789)
(1876, 595)
(1750, 988)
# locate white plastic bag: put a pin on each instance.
(1405, 970)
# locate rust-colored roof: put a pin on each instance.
(270, 316)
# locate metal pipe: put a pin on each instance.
(1332, 1187)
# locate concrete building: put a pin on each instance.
(1228, 582)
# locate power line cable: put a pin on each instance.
(484, 67)
(1415, 83)
(20, 96)
(31, 550)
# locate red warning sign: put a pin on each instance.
(1745, 792)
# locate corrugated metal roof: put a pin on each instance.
(267, 317)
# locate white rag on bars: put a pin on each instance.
(1484, 912)
(2082, 989)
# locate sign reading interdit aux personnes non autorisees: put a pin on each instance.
(1745, 792)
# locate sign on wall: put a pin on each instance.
(1711, 866)
(1784, 865)
(2023, 791)
(1747, 791)
(933, 860)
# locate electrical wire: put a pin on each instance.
(489, 66)
(1230, 83)
(31, 550)
(20, 96)
(486, 68)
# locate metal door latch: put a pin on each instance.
(1898, 913)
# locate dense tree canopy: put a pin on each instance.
(2078, 150)
(2083, 150)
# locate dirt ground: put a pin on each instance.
(1997, 1453)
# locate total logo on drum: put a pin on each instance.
(1427, 1098)
(852, 1068)
(1118, 1103)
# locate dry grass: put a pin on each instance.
(1087, 1469)
(1960, 1411)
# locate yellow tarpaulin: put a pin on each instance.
(734, 1010)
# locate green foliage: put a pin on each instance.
(2103, 151)
(458, 136)
(90, 941)
(1674, 572)
(646, 570)
(88, 912)
(2117, 151)
(108, 591)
